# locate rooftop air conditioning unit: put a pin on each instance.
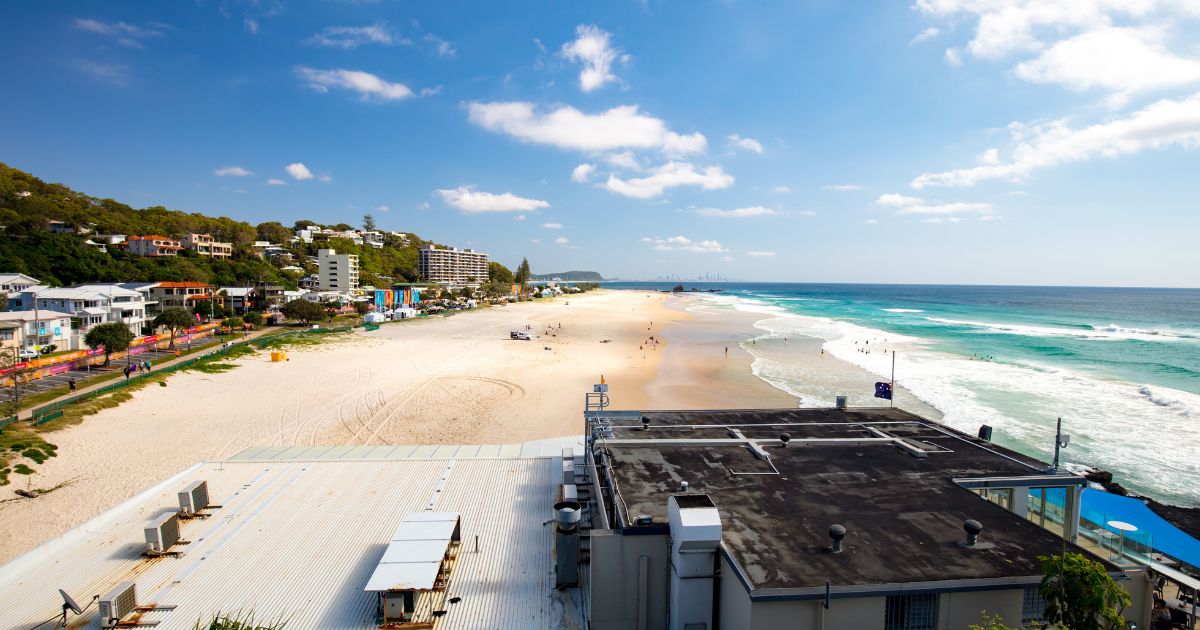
(162, 533)
(193, 498)
(117, 604)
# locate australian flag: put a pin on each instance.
(883, 390)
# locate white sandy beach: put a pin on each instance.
(441, 380)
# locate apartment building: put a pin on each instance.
(337, 272)
(91, 304)
(181, 294)
(205, 245)
(152, 245)
(453, 266)
(11, 283)
(32, 330)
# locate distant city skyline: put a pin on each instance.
(1047, 142)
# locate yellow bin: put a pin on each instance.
(276, 357)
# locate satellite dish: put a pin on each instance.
(69, 602)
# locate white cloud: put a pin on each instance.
(367, 85)
(926, 35)
(625, 159)
(670, 175)
(991, 156)
(471, 201)
(582, 173)
(1006, 26)
(727, 258)
(760, 254)
(746, 144)
(684, 244)
(111, 73)
(942, 220)
(916, 205)
(782, 189)
(1121, 60)
(424, 205)
(383, 209)
(124, 33)
(872, 222)
(235, 171)
(441, 46)
(1166, 123)
(433, 91)
(952, 57)
(519, 217)
(251, 25)
(535, 241)
(568, 128)
(276, 182)
(841, 187)
(347, 37)
(299, 171)
(562, 240)
(752, 211)
(552, 226)
(593, 49)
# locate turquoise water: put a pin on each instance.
(1120, 366)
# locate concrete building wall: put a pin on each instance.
(616, 595)
(960, 610)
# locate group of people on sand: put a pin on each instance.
(141, 366)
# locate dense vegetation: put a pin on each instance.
(28, 205)
(569, 276)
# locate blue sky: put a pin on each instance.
(944, 141)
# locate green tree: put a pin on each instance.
(233, 322)
(523, 273)
(113, 337)
(174, 319)
(1080, 594)
(254, 318)
(273, 232)
(368, 223)
(361, 307)
(499, 274)
(303, 310)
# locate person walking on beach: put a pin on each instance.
(126, 372)
(726, 350)
(71, 384)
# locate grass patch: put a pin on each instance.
(301, 339)
(211, 368)
(22, 441)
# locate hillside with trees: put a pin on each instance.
(28, 205)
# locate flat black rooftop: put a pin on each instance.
(903, 514)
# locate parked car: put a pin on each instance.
(520, 335)
(27, 354)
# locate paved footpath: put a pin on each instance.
(27, 414)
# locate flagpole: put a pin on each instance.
(892, 400)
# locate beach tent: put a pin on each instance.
(1101, 507)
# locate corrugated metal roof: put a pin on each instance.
(298, 540)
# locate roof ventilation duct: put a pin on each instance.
(695, 537)
(837, 534)
(566, 543)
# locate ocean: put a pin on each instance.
(1120, 366)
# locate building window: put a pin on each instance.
(911, 612)
(1033, 606)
